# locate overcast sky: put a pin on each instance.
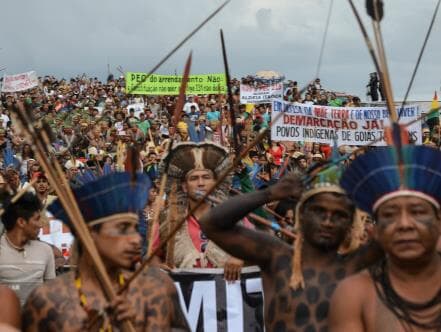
(66, 38)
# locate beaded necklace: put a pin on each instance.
(92, 314)
(12, 245)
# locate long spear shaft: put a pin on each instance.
(229, 93)
(423, 47)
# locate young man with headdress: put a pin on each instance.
(75, 301)
(192, 170)
(402, 292)
(297, 285)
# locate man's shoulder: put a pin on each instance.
(156, 276)
(52, 292)
(46, 306)
(62, 282)
(356, 285)
(41, 245)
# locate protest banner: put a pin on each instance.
(260, 94)
(20, 82)
(212, 304)
(349, 125)
(169, 84)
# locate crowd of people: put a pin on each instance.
(344, 260)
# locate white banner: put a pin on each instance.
(57, 234)
(350, 125)
(211, 304)
(260, 94)
(20, 82)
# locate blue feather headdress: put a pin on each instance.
(107, 198)
(377, 176)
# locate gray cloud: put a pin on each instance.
(67, 38)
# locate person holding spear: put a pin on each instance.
(192, 169)
(74, 301)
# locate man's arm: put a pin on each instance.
(10, 312)
(345, 309)
(49, 272)
(255, 247)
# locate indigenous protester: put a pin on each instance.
(299, 285)
(402, 292)
(193, 169)
(75, 301)
(25, 262)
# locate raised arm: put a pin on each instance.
(253, 246)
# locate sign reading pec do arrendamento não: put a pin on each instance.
(136, 83)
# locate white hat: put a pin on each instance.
(93, 150)
(69, 164)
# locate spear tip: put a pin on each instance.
(375, 9)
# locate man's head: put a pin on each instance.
(42, 184)
(112, 220)
(302, 163)
(198, 182)
(118, 242)
(151, 157)
(408, 228)
(404, 198)
(24, 216)
(153, 193)
(323, 219)
(13, 178)
(73, 168)
(426, 134)
(195, 167)
(4, 187)
(326, 220)
(254, 156)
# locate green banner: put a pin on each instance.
(169, 84)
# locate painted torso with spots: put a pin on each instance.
(55, 306)
(301, 310)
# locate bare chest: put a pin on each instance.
(68, 313)
(379, 317)
(300, 310)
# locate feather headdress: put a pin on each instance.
(326, 181)
(188, 156)
(375, 177)
(112, 197)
